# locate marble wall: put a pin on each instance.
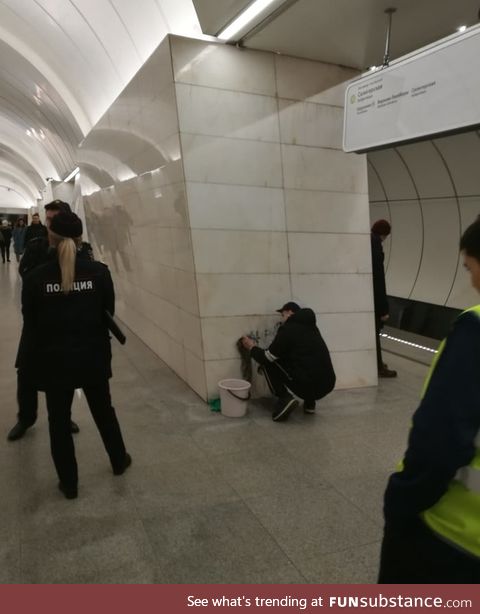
(216, 189)
(277, 209)
(135, 203)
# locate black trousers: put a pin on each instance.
(418, 556)
(278, 379)
(378, 328)
(59, 405)
(5, 249)
(27, 398)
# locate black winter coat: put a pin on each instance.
(378, 273)
(300, 349)
(65, 340)
(35, 231)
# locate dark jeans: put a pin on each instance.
(278, 379)
(27, 398)
(417, 556)
(5, 249)
(59, 404)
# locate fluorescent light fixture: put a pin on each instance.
(244, 18)
(461, 28)
(72, 174)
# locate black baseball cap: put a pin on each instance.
(290, 306)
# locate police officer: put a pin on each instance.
(64, 303)
(36, 253)
(432, 506)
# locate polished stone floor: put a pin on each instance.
(208, 499)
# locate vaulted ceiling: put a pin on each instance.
(63, 62)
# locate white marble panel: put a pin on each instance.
(441, 227)
(164, 206)
(222, 66)
(334, 293)
(240, 251)
(216, 370)
(315, 125)
(236, 294)
(300, 79)
(235, 207)
(165, 283)
(158, 120)
(177, 359)
(347, 331)
(190, 333)
(215, 112)
(310, 168)
(315, 211)
(329, 253)
(220, 334)
(182, 249)
(231, 161)
(156, 74)
(195, 374)
(355, 369)
(187, 291)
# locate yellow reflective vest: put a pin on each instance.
(456, 516)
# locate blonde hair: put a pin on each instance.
(67, 254)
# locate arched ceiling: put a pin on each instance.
(62, 63)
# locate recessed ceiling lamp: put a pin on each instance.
(461, 28)
(72, 175)
(244, 18)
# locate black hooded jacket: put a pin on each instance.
(300, 350)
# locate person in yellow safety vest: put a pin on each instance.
(432, 506)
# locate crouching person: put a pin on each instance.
(297, 361)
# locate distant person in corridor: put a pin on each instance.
(432, 505)
(297, 361)
(380, 231)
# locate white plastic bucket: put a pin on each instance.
(234, 396)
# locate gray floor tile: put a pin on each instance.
(218, 544)
(310, 522)
(207, 499)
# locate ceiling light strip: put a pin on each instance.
(244, 19)
(72, 175)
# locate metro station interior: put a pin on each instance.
(209, 172)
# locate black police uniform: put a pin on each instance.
(66, 345)
(36, 252)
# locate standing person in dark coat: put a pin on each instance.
(297, 361)
(6, 232)
(66, 335)
(18, 235)
(36, 253)
(380, 231)
(36, 229)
